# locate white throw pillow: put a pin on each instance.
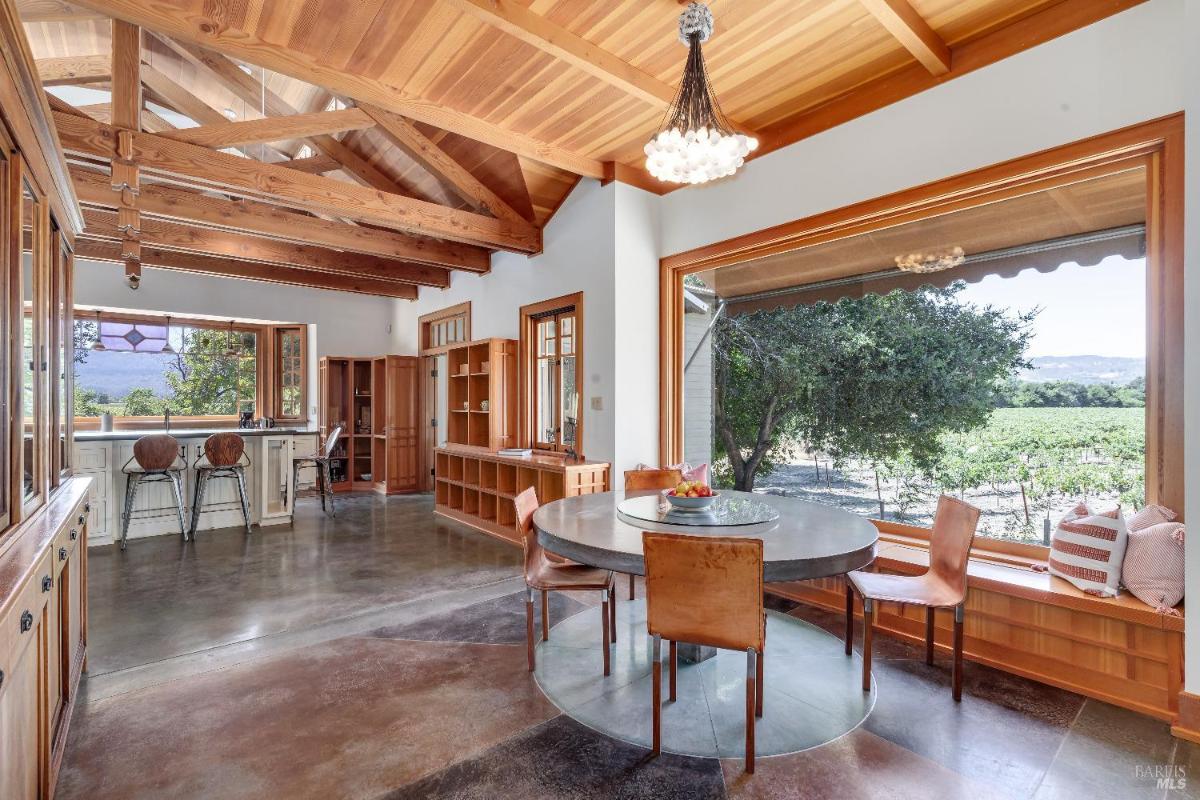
(1089, 551)
(1153, 569)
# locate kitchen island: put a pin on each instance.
(101, 455)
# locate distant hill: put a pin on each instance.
(115, 373)
(1085, 369)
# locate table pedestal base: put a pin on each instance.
(695, 653)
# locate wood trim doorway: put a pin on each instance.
(427, 385)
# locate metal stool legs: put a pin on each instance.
(324, 481)
(203, 476)
(134, 481)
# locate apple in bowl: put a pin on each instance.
(691, 495)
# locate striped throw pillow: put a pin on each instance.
(1149, 515)
(1153, 569)
(1088, 551)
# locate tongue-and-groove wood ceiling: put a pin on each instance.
(489, 110)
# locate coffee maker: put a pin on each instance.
(245, 419)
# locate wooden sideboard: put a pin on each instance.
(43, 639)
(476, 486)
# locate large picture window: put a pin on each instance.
(1018, 349)
(144, 366)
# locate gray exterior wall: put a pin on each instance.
(697, 389)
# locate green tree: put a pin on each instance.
(878, 378)
(204, 379)
(87, 402)
(143, 403)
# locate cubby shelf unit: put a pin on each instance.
(476, 486)
(481, 393)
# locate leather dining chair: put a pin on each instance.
(706, 590)
(944, 585)
(650, 480)
(545, 575)
(155, 458)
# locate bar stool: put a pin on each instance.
(155, 459)
(224, 457)
(321, 462)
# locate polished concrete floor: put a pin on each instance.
(381, 655)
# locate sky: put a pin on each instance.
(1098, 310)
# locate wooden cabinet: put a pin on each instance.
(477, 487)
(375, 400)
(43, 639)
(481, 394)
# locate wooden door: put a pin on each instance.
(403, 424)
(19, 746)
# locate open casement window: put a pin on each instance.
(140, 366)
(287, 372)
(34, 356)
(555, 387)
(62, 353)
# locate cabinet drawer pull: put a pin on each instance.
(74, 534)
(82, 519)
(1, 677)
(47, 582)
(87, 508)
(62, 554)
(26, 622)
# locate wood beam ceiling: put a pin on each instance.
(127, 117)
(426, 152)
(273, 129)
(535, 30)
(912, 31)
(314, 165)
(288, 187)
(262, 219)
(157, 257)
(102, 224)
(74, 70)
(212, 34)
(54, 11)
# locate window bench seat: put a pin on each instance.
(1033, 624)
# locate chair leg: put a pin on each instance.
(295, 486)
(131, 484)
(631, 595)
(240, 474)
(178, 490)
(929, 629)
(198, 499)
(868, 625)
(545, 616)
(327, 474)
(529, 626)
(612, 612)
(321, 484)
(606, 637)
(672, 668)
(656, 693)
(751, 697)
(958, 648)
(760, 663)
(849, 617)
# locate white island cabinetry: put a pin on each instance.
(268, 483)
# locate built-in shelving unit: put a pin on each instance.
(375, 402)
(481, 393)
(476, 486)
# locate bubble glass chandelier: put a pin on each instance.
(696, 143)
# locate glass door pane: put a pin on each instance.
(568, 389)
(31, 339)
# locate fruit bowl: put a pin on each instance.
(690, 503)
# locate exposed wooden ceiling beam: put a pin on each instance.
(102, 224)
(53, 11)
(426, 152)
(315, 165)
(181, 99)
(535, 30)
(274, 129)
(216, 35)
(250, 90)
(74, 70)
(262, 219)
(102, 112)
(912, 31)
(289, 187)
(157, 257)
(126, 42)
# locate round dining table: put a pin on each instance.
(801, 539)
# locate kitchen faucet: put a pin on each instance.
(167, 419)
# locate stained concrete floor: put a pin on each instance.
(381, 655)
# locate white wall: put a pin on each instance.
(340, 323)
(1191, 422)
(1120, 71)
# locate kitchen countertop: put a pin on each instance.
(187, 433)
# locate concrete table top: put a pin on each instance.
(809, 540)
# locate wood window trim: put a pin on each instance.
(266, 374)
(1157, 145)
(527, 357)
(270, 371)
(461, 309)
(62, 336)
(40, 271)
